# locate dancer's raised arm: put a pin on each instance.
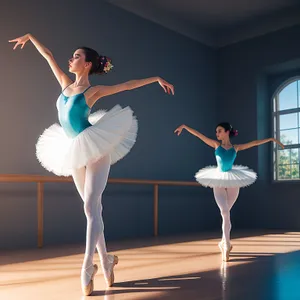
(61, 77)
(210, 142)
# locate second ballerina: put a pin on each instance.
(225, 179)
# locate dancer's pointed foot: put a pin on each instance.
(110, 276)
(91, 271)
(225, 251)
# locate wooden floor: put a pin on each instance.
(263, 266)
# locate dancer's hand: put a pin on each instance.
(279, 143)
(179, 129)
(20, 41)
(168, 88)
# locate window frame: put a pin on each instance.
(276, 113)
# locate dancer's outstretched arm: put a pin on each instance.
(61, 77)
(102, 91)
(210, 142)
(257, 143)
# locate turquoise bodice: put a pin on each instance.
(73, 113)
(225, 158)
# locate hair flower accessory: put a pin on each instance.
(108, 66)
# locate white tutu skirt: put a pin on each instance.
(113, 132)
(238, 176)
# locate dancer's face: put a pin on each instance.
(77, 63)
(221, 134)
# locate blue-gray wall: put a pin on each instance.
(233, 83)
(139, 49)
(248, 74)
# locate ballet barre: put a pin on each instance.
(40, 180)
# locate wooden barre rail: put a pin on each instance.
(41, 180)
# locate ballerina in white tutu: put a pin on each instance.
(225, 179)
(85, 145)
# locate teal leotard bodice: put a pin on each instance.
(225, 158)
(73, 113)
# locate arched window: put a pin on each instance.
(286, 116)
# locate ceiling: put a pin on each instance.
(217, 22)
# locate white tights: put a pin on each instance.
(90, 182)
(225, 198)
